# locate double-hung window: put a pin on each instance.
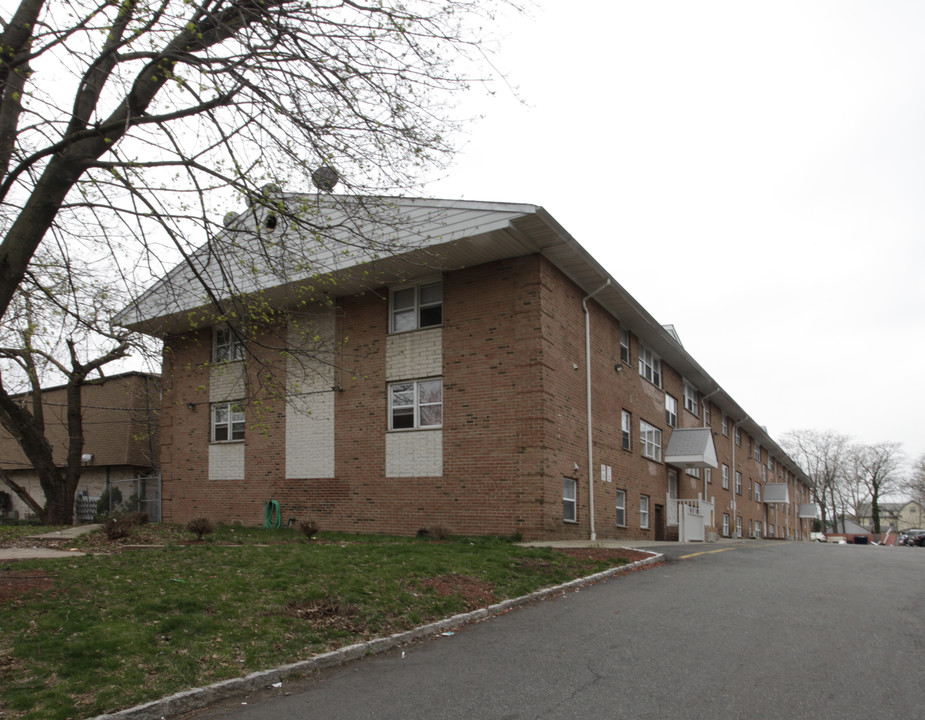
(643, 511)
(415, 307)
(569, 500)
(757, 452)
(625, 346)
(691, 400)
(738, 526)
(416, 404)
(626, 423)
(650, 366)
(725, 425)
(651, 439)
(758, 492)
(227, 421)
(738, 483)
(725, 477)
(621, 508)
(227, 345)
(671, 410)
(725, 524)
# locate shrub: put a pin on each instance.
(116, 528)
(200, 526)
(308, 528)
(135, 518)
(434, 532)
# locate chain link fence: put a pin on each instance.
(141, 494)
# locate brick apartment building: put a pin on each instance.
(489, 377)
(121, 443)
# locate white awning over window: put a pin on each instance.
(776, 493)
(691, 448)
(809, 510)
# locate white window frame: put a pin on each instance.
(708, 475)
(725, 477)
(643, 512)
(621, 508)
(626, 427)
(226, 345)
(725, 524)
(738, 482)
(738, 438)
(691, 398)
(232, 425)
(757, 491)
(625, 346)
(569, 500)
(757, 454)
(738, 526)
(671, 410)
(416, 309)
(650, 366)
(650, 437)
(708, 412)
(423, 409)
(693, 472)
(725, 425)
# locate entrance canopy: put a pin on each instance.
(691, 448)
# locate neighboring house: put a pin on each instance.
(898, 515)
(121, 442)
(448, 384)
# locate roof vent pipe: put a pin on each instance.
(584, 304)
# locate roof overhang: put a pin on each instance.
(691, 448)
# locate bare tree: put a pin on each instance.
(878, 468)
(822, 454)
(127, 127)
(915, 484)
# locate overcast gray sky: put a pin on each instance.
(751, 172)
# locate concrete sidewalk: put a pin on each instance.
(39, 550)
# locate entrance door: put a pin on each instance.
(659, 522)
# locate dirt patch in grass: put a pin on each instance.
(327, 615)
(16, 583)
(606, 554)
(476, 593)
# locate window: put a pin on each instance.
(738, 483)
(650, 366)
(651, 439)
(708, 475)
(708, 412)
(643, 511)
(691, 401)
(749, 488)
(758, 528)
(764, 473)
(725, 477)
(757, 492)
(671, 410)
(569, 500)
(621, 508)
(627, 424)
(625, 346)
(738, 526)
(693, 472)
(227, 346)
(770, 531)
(739, 436)
(725, 524)
(419, 306)
(415, 404)
(725, 425)
(227, 421)
(757, 452)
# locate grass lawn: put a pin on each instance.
(84, 635)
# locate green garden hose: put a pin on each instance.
(272, 516)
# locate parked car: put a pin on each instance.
(913, 537)
(818, 536)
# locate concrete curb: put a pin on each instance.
(198, 698)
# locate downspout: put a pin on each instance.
(584, 305)
(703, 414)
(734, 493)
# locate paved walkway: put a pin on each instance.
(40, 551)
